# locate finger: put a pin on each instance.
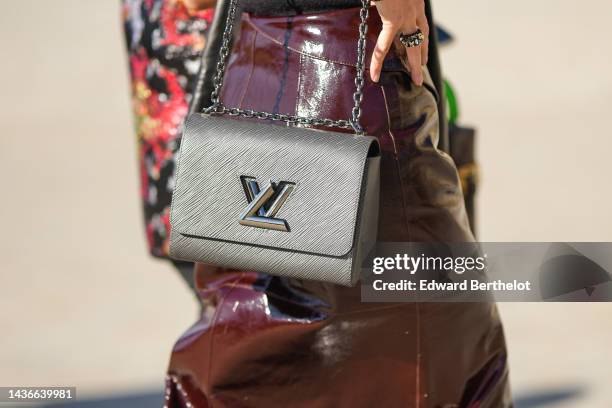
(424, 26)
(385, 39)
(414, 61)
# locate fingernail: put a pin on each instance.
(375, 76)
(417, 78)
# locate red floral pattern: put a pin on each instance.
(164, 43)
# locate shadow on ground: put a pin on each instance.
(537, 399)
(549, 397)
(153, 399)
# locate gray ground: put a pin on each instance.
(82, 304)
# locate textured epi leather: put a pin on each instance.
(323, 210)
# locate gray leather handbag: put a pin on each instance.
(286, 200)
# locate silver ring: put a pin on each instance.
(412, 40)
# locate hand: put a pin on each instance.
(401, 16)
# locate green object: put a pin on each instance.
(451, 101)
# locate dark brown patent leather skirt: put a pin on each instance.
(264, 341)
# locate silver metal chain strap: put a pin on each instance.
(353, 122)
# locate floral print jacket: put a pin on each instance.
(164, 42)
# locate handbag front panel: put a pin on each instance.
(325, 170)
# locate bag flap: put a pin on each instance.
(221, 156)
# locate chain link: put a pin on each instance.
(353, 123)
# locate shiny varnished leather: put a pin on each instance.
(293, 7)
(204, 88)
(264, 341)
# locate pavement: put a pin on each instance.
(82, 304)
